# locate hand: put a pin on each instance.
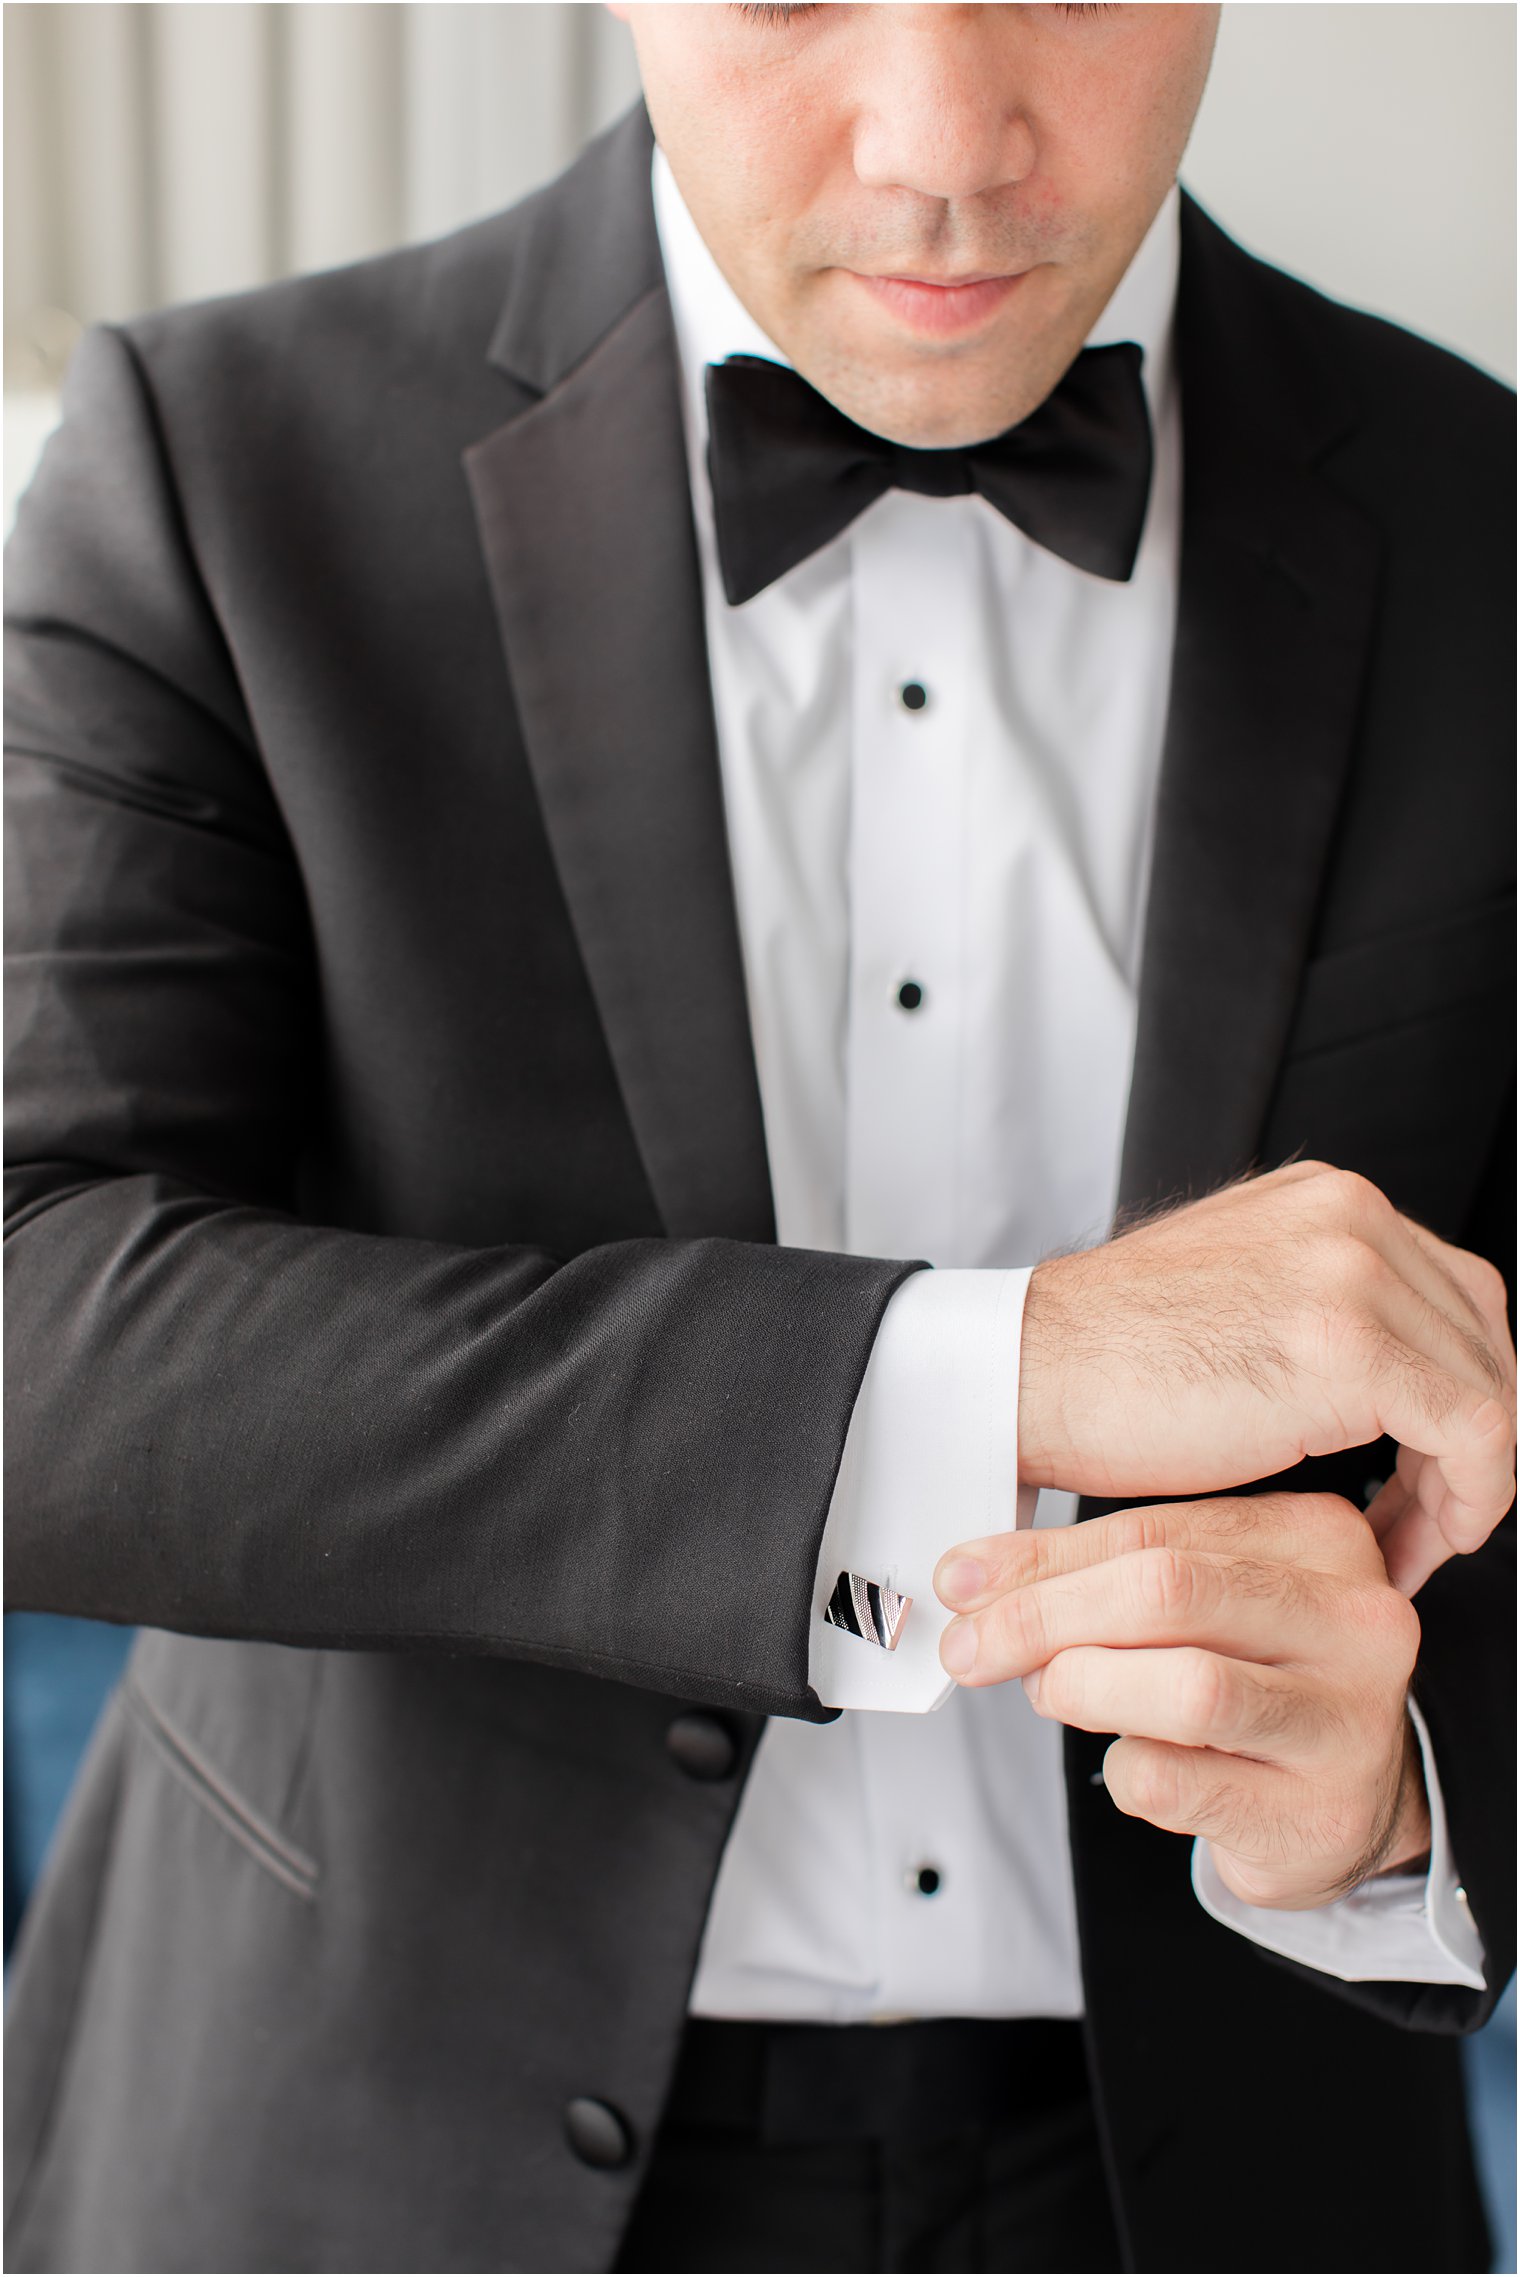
(1290, 1315)
(1255, 1655)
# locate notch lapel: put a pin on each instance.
(1275, 609)
(584, 514)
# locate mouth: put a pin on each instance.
(941, 307)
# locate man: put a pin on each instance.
(477, 886)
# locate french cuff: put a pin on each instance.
(930, 1459)
(1397, 1928)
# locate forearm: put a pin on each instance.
(226, 1421)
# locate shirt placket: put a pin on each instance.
(913, 564)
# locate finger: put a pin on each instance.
(1404, 1522)
(1459, 1352)
(1470, 1434)
(1451, 1282)
(1422, 1360)
(1479, 1285)
(1393, 1497)
(1253, 1607)
(1322, 1531)
(1456, 1285)
(1406, 1517)
(1420, 1541)
(1414, 1548)
(1187, 1698)
(1187, 1790)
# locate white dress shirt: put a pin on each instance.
(990, 844)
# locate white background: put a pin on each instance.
(1371, 149)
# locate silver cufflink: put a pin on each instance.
(868, 1610)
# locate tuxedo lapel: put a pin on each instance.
(1278, 577)
(583, 509)
(584, 514)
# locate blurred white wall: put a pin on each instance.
(1371, 149)
(156, 153)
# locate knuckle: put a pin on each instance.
(1332, 1514)
(1494, 1418)
(1204, 1692)
(1341, 1529)
(1378, 1351)
(1344, 1272)
(1012, 1561)
(1389, 1361)
(1156, 1785)
(1135, 1531)
(1484, 1359)
(1019, 1629)
(1394, 1625)
(1265, 1579)
(1166, 1584)
(1482, 1284)
(1062, 1686)
(1355, 1198)
(1493, 1291)
(1277, 1712)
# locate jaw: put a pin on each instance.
(939, 397)
(934, 395)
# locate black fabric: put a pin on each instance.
(836, 2083)
(396, 1328)
(789, 471)
(991, 2163)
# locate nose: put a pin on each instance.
(939, 112)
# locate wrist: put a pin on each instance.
(1040, 1436)
(1402, 1843)
(1409, 1836)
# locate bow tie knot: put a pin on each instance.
(790, 471)
(933, 474)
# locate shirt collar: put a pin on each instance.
(711, 321)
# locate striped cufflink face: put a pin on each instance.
(870, 1612)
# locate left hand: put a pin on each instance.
(1254, 1654)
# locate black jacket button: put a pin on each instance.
(704, 1746)
(598, 2134)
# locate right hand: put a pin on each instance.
(1291, 1315)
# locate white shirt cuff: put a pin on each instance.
(1397, 1928)
(931, 1459)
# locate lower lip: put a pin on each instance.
(940, 310)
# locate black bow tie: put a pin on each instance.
(789, 471)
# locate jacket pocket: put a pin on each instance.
(291, 1866)
(1418, 974)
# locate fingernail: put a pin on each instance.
(1031, 1684)
(960, 1580)
(957, 1647)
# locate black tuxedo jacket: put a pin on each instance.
(397, 1330)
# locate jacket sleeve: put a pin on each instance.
(1465, 1680)
(1465, 1686)
(224, 1419)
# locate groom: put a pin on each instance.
(837, 692)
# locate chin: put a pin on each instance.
(946, 431)
(935, 402)
(928, 416)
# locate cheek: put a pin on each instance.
(767, 192)
(1112, 134)
(779, 157)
